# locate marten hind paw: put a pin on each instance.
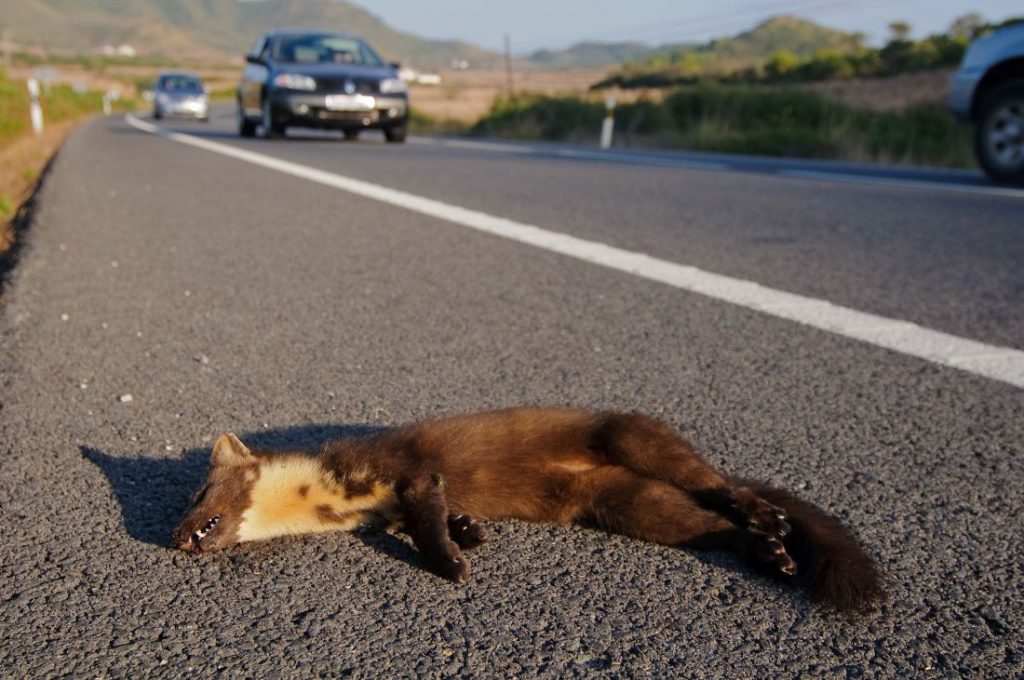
(771, 553)
(454, 569)
(466, 532)
(759, 516)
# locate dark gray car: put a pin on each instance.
(320, 79)
(988, 91)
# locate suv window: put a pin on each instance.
(258, 49)
(180, 84)
(323, 49)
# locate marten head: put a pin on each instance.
(218, 508)
(252, 496)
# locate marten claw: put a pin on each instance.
(771, 551)
(760, 516)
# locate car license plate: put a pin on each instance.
(349, 102)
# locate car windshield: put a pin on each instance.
(323, 49)
(183, 84)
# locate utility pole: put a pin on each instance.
(508, 67)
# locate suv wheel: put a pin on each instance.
(246, 128)
(999, 133)
(396, 134)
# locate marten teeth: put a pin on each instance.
(200, 534)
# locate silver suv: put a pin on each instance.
(988, 91)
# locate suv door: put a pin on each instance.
(254, 75)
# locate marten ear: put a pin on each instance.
(230, 451)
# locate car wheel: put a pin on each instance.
(396, 134)
(999, 133)
(246, 128)
(351, 135)
(157, 114)
(271, 130)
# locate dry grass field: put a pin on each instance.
(465, 96)
(887, 94)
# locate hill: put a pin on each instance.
(592, 54)
(205, 28)
(801, 37)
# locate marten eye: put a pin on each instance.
(200, 534)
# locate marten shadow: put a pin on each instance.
(154, 491)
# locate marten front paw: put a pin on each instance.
(454, 569)
(466, 532)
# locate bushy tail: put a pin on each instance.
(830, 561)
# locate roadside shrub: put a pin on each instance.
(537, 117)
(744, 119)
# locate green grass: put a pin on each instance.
(422, 124)
(60, 103)
(775, 121)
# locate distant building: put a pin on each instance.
(124, 50)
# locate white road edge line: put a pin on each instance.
(998, 363)
(847, 178)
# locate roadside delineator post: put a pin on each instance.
(35, 110)
(108, 97)
(608, 125)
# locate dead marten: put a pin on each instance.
(625, 473)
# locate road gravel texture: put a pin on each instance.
(225, 297)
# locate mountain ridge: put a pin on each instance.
(800, 36)
(205, 28)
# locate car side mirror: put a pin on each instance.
(395, 65)
(253, 59)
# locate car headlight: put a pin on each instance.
(294, 81)
(163, 98)
(393, 86)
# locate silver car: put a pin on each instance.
(180, 95)
(988, 91)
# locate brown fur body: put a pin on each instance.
(625, 473)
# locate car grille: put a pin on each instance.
(346, 116)
(337, 85)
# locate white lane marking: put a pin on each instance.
(998, 363)
(1006, 192)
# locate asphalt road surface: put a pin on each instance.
(225, 292)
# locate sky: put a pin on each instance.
(535, 24)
